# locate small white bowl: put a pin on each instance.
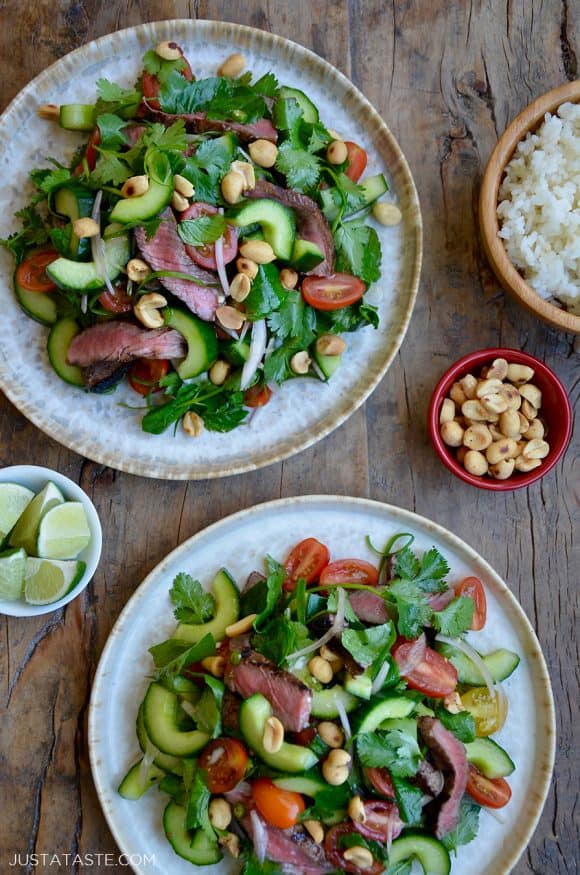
(35, 477)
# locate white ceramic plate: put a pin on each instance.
(303, 411)
(240, 542)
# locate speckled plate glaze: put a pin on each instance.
(304, 411)
(241, 542)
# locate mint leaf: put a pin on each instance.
(396, 750)
(462, 725)
(266, 293)
(197, 816)
(455, 618)
(192, 604)
(358, 250)
(172, 656)
(279, 638)
(467, 828)
(366, 645)
(203, 230)
(208, 708)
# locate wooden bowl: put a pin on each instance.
(509, 277)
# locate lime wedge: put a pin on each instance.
(12, 565)
(63, 532)
(13, 501)
(26, 529)
(47, 581)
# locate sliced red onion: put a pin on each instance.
(244, 330)
(380, 678)
(495, 690)
(220, 264)
(240, 793)
(335, 629)
(260, 836)
(98, 245)
(147, 761)
(343, 718)
(414, 656)
(84, 303)
(257, 350)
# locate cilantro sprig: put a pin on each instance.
(192, 603)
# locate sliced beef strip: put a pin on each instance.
(199, 123)
(369, 607)
(165, 251)
(118, 342)
(291, 700)
(253, 578)
(429, 779)
(292, 847)
(231, 704)
(448, 755)
(102, 376)
(311, 224)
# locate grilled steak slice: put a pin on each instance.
(199, 123)
(291, 700)
(230, 711)
(369, 607)
(166, 251)
(102, 376)
(118, 342)
(429, 779)
(311, 224)
(448, 755)
(292, 847)
(253, 578)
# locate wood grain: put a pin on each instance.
(447, 77)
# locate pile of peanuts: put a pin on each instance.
(493, 421)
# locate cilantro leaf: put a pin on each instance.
(166, 139)
(266, 85)
(327, 802)
(208, 708)
(218, 97)
(266, 293)
(358, 250)
(47, 181)
(409, 800)
(293, 318)
(197, 816)
(455, 618)
(192, 604)
(301, 168)
(171, 656)
(220, 410)
(274, 581)
(33, 233)
(204, 229)
(280, 637)
(112, 130)
(407, 565)
(161, 68)
(413, 609)
(428, 574)
(467, 828)
(395, 749)
(253, 866)
(366, 645)
(112, 98)
(348, 318)
(277, 363)
(207, 166)
(110, 168)
(462, 725)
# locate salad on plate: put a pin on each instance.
(330, 717)
(207, 243)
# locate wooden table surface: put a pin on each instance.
(447, 76)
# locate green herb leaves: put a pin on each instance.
(368, 645)
(220, 410)
(217, 97)
(203, 230)
(114, 99)
(396, 750)
(358, 250)
(462, 725)
(207, 166)
(466, 829)
(33, 233)
(454, 619)
(301, 140)
(171, 656)
(266, 294)
(192, 604)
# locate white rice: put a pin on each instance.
(539, 208)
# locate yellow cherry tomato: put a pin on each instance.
(489, 712)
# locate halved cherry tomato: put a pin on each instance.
(119, 302)
(473, 588)
(382, 822)
(349, 571)
(492, 792)
(332, 292)
(305, 737)
(335, 853)
(224, 762)
(489, 712)
(258, 395)
(434, 676)
(144, 374)
(380, 779)
(205, 255)
(91, 153)
(280, 808)
(306, 560)
(357, 161)
(31, 274)
(151, 86)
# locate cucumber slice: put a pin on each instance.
(160, 710)
(84, 276)
(237, 352)
(408, 725)
(306, 255)
(372, 188)
(491, 759)
(308, 784)
(202, 345)
(360, 686)
(132, 787)
(309, 110)
(432, 855)
(327, 363)
(227, 611)
(163, 760)
(500, 664)
(75, 202)
(290, 758)
(155, 199)
(383, 709)
(37, 305)
(59, 340)
(77, 116)
(324, 701)
(194, 846)
(277, 222)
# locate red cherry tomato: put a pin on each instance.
(492, 792)
(280, 808)
(380, 779)
(258, 395)
(119, 302)
(332, 292)
(335, 853)
(224, 762)
(473, 588)
(305, 737)
(151, 86)
(434, 676)
(307, 560)
(144, 374)
(382, 823)
(91, 153)
(31, 274)
(205, 255)
(357, 161)
(349, 571)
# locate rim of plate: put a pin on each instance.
(544, 768)
(374, 125)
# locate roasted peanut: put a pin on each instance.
(337, 152)
(387, 214)
(487, 387)
(536, 449)
(452, 434)
(137, 270)
(315, 829)
(258, 251)
(246, 170)
(477, 437)
(273, 735)
(179, 202)
(247, 266)
(469, 384)
(220, 812)
(498, 450)
(447, 412)
(511, 395)
(241, 626)
(230, 318)
(335, 768)
(534, 431)
(86, 227)
(519, 373)
(453, 703)
(320, 669)
(498, 370)
(48, 111)
(183, 185)
(135, 186)
(331, 734)
(219, 372)
(330, 344)
(232, 842)
(288, 278)
(532, 394)
(147, 310)
(232, 187)
(509, 423)
(169, 51)
(333, 658)
(216, 665)
(503, 469)
(356, 810)
(240, 287)
(192, 424)
(475, 463)
(457, 394)
(461, 454)
(525, 465)
(232, 66)
(529, 411)
(263, 153)
(494, 404)
(359, 856)
(300, 362)
(475, 410)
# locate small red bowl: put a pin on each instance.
(556, 412)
